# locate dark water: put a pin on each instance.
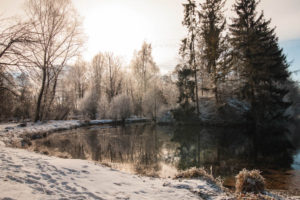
(162, 151)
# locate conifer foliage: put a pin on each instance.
(262, 64)
(188, 68)
(212, 33)
(247, 54)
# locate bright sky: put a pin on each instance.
(120, 26)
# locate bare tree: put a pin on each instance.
(77, 79)
(113, 76)
(143, 66)
(56, 31)
(144, 70)
(13, 38)
(12, 41)
(98, 66)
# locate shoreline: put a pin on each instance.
(13, 133)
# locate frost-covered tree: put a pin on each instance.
(144, 70)
(112, 76)
(78, 80)
(144, 67)
(97, 68)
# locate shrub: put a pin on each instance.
(103, 108)
(249, 181)
(89, 105)
(121, 107)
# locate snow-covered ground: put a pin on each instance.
(27, 175)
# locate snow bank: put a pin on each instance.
(12, 133)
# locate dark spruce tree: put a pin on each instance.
(262, 65)
(188, 46)
(186, 100)
(214, 46)
(187, 71)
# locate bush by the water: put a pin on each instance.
(249, 181)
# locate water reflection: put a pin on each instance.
(229, 150)
(161, 151)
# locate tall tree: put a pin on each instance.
(263, 65)
(113, 76)
(144, 66)
(212, 33)
(188, 47)
(77, 77)
(144, 70)
(55, 28)
(98, 65)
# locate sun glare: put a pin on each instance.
(116, 28)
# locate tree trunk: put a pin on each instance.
(195, 71)
(216, 91)
(38, 106)
(196, 88)
(53, 93)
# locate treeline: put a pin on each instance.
(105, 88)
(240, 59)
(38, 83)
(219, 60)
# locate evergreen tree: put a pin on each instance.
(188, 47)
(212, 33)
(186, 100)
(263, 66)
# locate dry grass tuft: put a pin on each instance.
(194, 173)
(249, 181)
(199, 173)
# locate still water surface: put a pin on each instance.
(162, 151)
